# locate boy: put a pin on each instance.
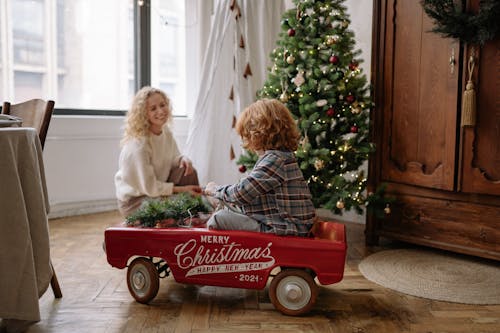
(274, 197)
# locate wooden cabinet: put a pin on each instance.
(445, 177)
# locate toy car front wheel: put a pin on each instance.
(143, 280)
(293, 292)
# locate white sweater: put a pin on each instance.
(144, 166)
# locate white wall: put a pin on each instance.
(81, 152)
(81, 158)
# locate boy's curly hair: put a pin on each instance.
(136, 121)
(268, 124)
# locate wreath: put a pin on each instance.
(470, 28)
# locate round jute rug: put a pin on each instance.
(435, 275)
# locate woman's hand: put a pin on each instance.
(187, 165)
(194, 190)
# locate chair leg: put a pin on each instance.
(55, 284)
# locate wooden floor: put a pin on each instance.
(96, 298)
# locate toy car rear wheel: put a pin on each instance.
(143, 280)
(293, 292)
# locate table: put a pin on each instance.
(25, 269)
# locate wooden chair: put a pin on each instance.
(36, 113)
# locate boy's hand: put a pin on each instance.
(209, 192)
(210, 188)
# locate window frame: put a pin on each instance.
(141, 50)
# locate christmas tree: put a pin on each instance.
(316, 73)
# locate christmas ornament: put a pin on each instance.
(290, 59)
(356, 110)
(299, 79)
(350, 98)
(284, 97)
(340, 204)
(334, 59)
(353, 66)
(330, 40)
(242, 168)
(319, 164)
(387, 209)
(330, 112)
(321, 102)
(291, 32)
(354, 129)
(304, 141)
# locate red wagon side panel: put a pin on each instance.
(230, 258)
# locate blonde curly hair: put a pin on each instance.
(136, 122)
(268, 124)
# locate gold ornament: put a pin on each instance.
(319, 164)
(387, 209)
(356, 110)
(340, 204)
(290, 59)
(330, 40)
(284, 97)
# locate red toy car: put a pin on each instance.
(229, 258)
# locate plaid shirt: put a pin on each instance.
(275, 194)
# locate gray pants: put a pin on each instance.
(226, 219)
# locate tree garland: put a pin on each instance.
(470, 28)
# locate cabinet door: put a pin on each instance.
(420, 100)
(481, 143)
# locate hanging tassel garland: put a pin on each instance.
(248, 71)
(232, 156)
(469, 98)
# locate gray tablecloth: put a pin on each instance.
(25, 270)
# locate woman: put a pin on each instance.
(150, 163)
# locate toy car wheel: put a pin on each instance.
(293, 292)
(143, 280)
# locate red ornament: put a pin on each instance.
(242, 168)
(353, 65)
(354, 129)
(350, 98)
(334, 59)
(330, 112)
(291, 32)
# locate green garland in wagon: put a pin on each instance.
(451, 21)
(178, 209)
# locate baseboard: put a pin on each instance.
(346, 217)
(58, 210)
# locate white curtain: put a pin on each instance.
(234, 47)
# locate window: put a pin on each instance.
(81, 53)
(168, 50)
